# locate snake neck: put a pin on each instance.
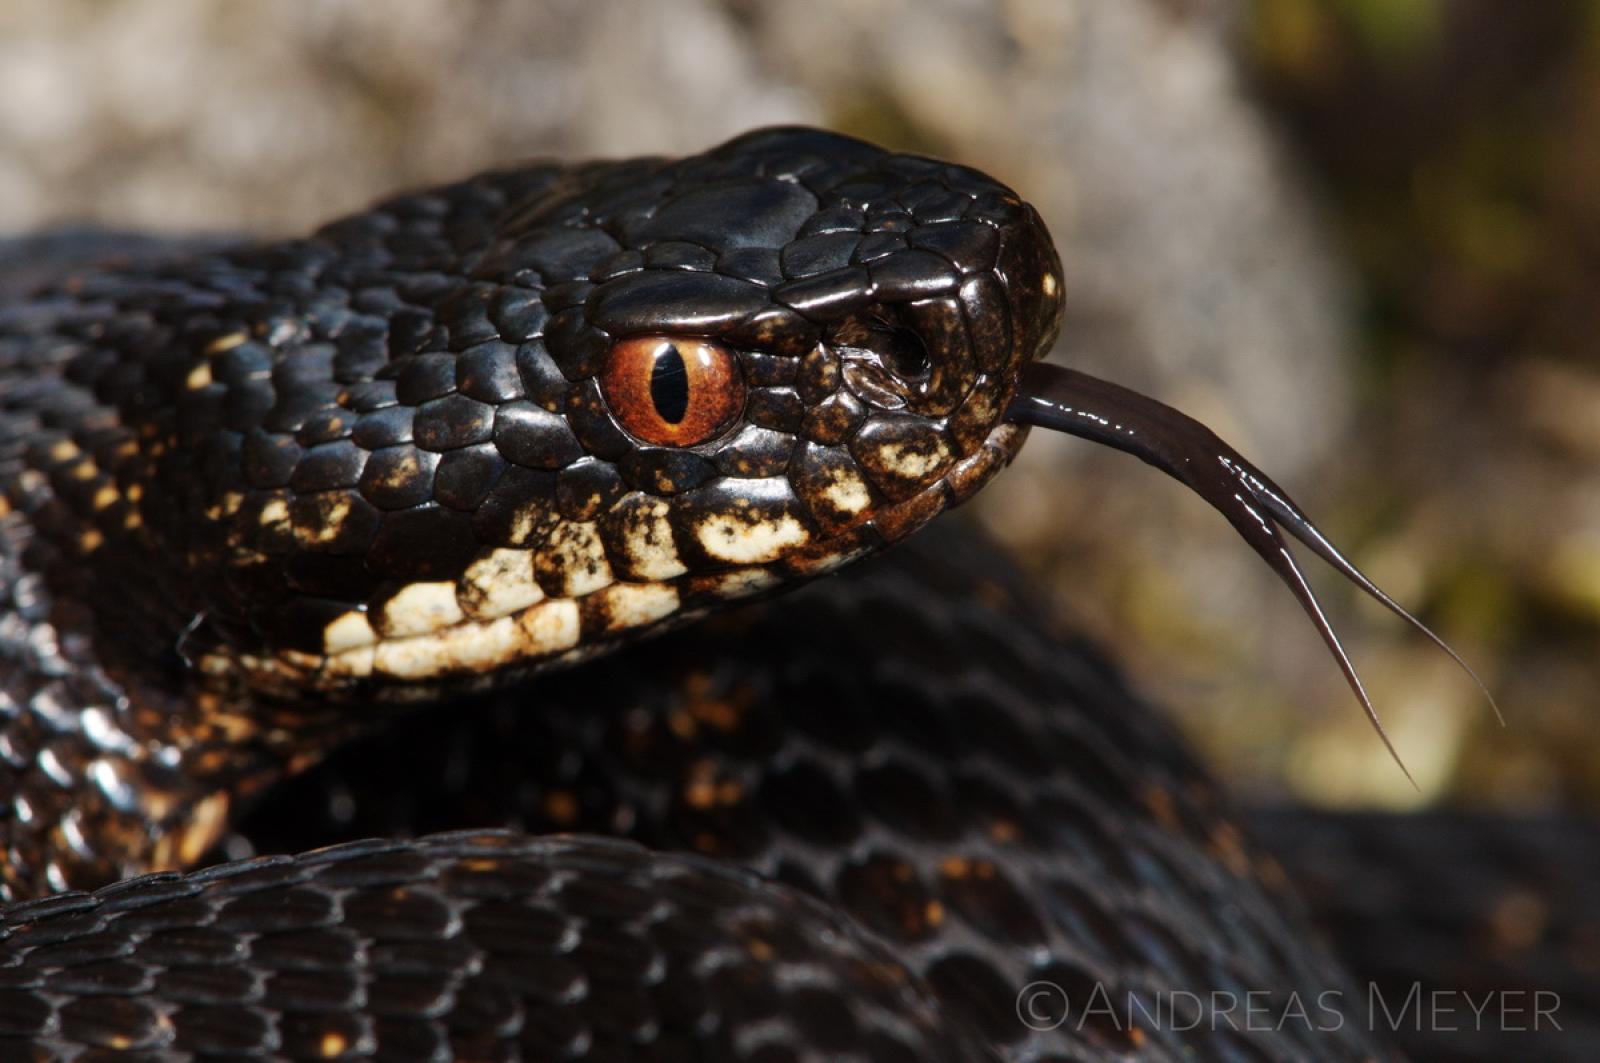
(109, 729)
(143, 763)
(116, 389)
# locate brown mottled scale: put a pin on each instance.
(255, 502)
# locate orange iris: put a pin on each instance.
(673, 391)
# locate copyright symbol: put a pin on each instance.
(1042, 1006)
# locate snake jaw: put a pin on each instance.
(1066, 400)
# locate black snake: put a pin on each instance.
(256, 502)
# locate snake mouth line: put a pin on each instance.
(1064, 400)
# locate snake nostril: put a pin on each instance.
(905, 355)
(889, 341)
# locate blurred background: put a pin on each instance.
(1359, 238)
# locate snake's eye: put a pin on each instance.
(673, 391)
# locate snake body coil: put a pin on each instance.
(255, 502)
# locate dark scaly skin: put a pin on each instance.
(226, 478)
(138, 720)
(907, 741)
(1497, 913)
(468, 946)
(911, 742)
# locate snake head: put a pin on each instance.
(646, 388)
(507, 423)
(802, 344)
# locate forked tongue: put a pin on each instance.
(1053, 396)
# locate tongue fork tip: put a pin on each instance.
(1289, 517)
(1065, 400)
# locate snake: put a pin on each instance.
(507, 502)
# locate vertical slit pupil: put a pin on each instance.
(669, 384)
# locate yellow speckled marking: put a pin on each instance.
(480, 647)
(347, 632)
(353, 649)
(401, 473)
(467, 648)
(332, 513)
(847, 491)
(914, 463)
(499, 584)
(499, 613)
(225, 343)
(829, 562)
(523, 524)
(420, 608)
(647, 539)
(749, 539)
(275, 511)
(199, 377)
(574, 558)
(105, 497)
(637, 604)
(405, 658)
(552, 626)
(743, 582)
(542, 630)
(354, 664)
